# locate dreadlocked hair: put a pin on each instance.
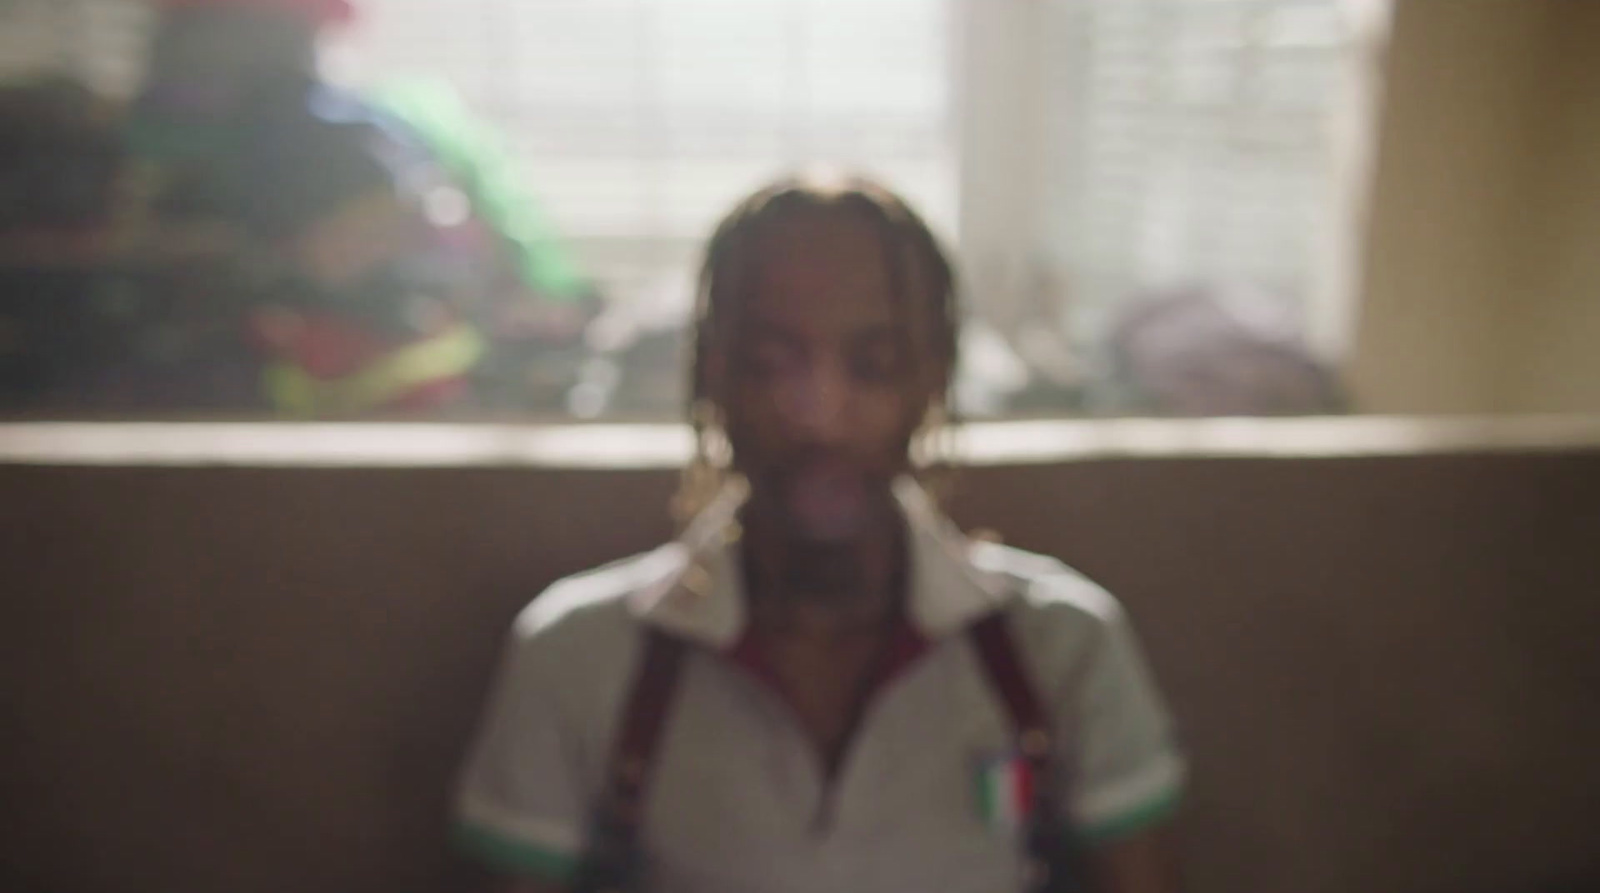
(915, 262)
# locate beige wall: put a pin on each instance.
(1481, 265)
(1553, 321)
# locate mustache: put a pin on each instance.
(803, 458)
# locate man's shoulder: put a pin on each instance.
(1045, 590)
(598, 603)
(1064, 621)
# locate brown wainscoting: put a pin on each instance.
(235, 679)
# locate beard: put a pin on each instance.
(818, 513)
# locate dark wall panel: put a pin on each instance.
(259, 680)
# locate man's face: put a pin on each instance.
(819, 378)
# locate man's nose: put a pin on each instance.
(816, 402)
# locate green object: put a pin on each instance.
(297, 393)
(473, 154)
(1140, 819)
(511, 856)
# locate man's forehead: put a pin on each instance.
(820, 244)
(832, 263)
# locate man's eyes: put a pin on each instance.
(766, 357)
(878, 361)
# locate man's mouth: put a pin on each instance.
(828, 501)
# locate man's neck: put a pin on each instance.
(832, 591)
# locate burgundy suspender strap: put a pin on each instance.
(612, 858)
(1053, 856)
(634, 755)
(998, 652)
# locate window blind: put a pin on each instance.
(1200, 147)
(1177, 140)
(641, 121)
(638, 121)
(100, 41)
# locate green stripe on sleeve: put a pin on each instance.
(1135, 820)
(513, 857)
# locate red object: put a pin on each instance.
(322, 12)
(904, 647)
(329, 348)
(325, 346)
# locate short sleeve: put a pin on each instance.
(1130, 773)
(520, 804)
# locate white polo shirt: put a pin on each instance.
(739, 800)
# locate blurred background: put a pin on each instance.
(246, 656)
(1160, 207)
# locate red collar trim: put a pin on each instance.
(905, 647)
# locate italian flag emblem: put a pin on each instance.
(1005, 792)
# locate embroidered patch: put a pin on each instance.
(1005, 792)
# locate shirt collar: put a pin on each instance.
(703, 598)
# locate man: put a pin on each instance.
(822, 686)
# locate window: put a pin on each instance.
(640, 122)
(1080, 154)
(101, 41)
(1164, 144)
